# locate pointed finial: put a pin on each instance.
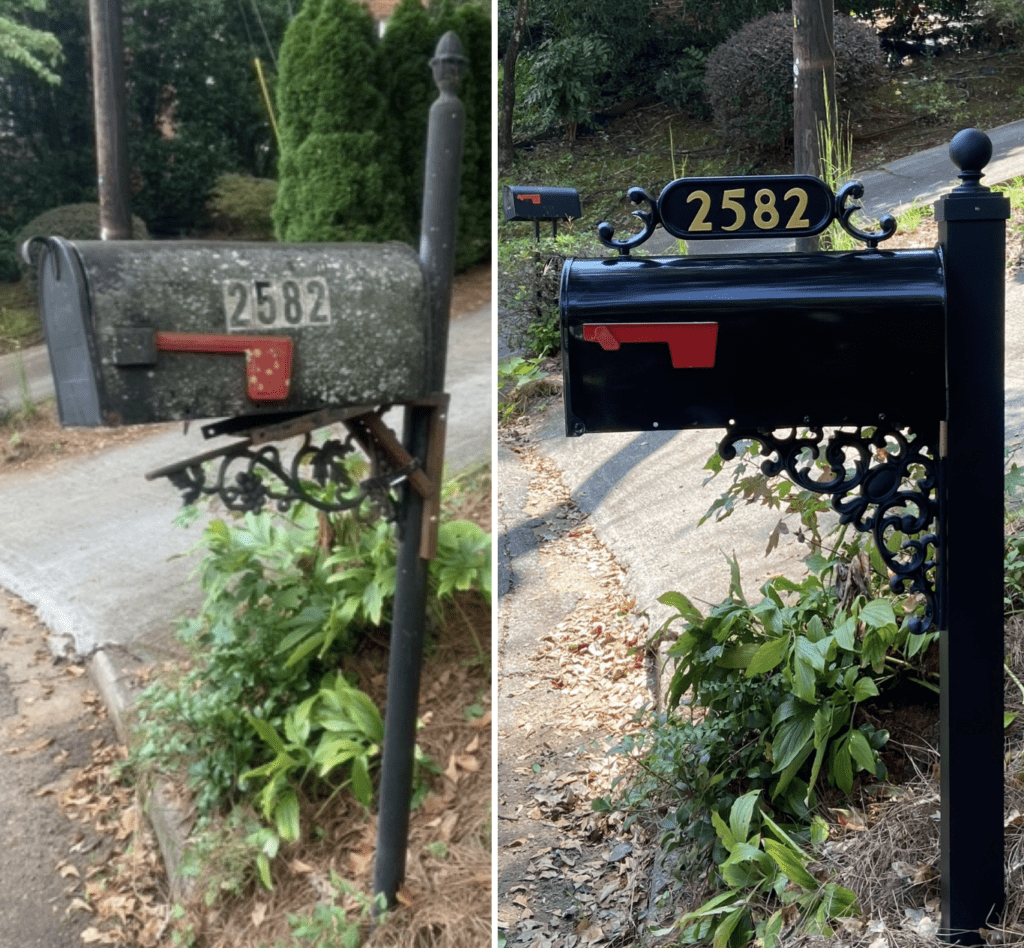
(448, 63)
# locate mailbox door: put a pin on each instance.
(173, 330)
(769, 340)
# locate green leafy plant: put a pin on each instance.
(333, 926)
(338, 728)
(463, 559)
(767, 887)
(814, 671)
(285, 596)
(517, 378)
(545, 333)
(565, 74)
(778, 683)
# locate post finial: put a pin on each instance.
(448, 63)
(970, 150)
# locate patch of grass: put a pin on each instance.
(19, 319)
(911, 218)
(14, 418)
(1014, 190)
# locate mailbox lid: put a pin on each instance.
(358, 316)
(70, 340)
(765, 340)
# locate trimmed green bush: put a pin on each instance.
(335, 163)
(749, 78)
(352, 113)
(242, 207)
(73, 222)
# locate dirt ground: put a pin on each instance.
(52, 727)
(80, 865)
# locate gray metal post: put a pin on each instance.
(972, 237)
(442, 178)
(111, 115)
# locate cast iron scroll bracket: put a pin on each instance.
(241, 479)
(651, 219)
(854, 190)
(250, 475)
(883, 481)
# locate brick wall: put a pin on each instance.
(381, 9)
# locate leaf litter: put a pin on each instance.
(592, 662)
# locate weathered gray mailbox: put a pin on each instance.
(281, 340)
(142, 331)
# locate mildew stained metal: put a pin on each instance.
(370, 343)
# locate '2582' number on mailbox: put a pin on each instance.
(774, 205)
(276, 304)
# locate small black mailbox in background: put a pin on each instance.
(141, 331)
(541, 204)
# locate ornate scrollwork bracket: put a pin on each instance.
(854, 190)
(651, 219)
(248, 475)
(883, 481)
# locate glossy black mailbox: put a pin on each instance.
(764, 340)
(140, 331)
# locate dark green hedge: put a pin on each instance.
(352, 113)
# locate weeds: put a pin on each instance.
(517, 380)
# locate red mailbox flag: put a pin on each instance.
(691, 345)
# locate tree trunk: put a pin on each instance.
(814, 75)
(506, 151)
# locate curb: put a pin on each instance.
(170, 823)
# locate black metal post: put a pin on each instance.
(111, 115)
(441, 186)
(972, 237)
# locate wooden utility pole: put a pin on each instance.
(111, 113)
(814, 85)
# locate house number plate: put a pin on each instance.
(276, 304)
(767, 206)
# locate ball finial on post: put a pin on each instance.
(970, 150)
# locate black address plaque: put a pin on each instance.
(746, 206)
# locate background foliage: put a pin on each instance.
(194, 109)
(645, 51)
(353, 113)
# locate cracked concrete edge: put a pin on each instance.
(169, 822)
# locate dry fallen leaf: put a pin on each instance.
(67, 870)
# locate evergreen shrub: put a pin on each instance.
(242, 207)
(73, 222)
(749, 78)
(352, 113)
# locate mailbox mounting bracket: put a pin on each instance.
(884, 481)
(390, 461)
